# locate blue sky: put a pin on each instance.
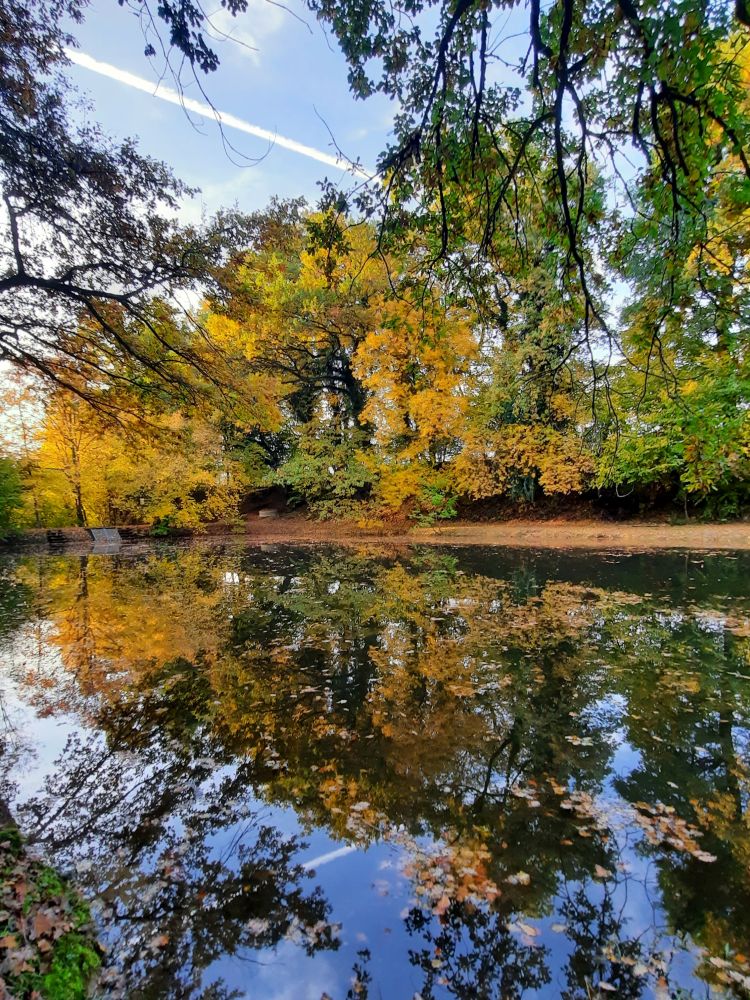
(293, 70)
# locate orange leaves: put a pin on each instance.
(416, 365)
(488, 462)
(663, 827)
(42, 923)
(451, 872)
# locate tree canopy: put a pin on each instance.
(90, 236)
(544, 291)
(626, 119)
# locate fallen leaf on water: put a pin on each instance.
(520, 878)
(529, 930)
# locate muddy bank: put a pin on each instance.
(562, 534)
(585, 534)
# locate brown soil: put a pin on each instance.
(547, 533)
(553, 534)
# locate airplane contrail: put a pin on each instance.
(165, 93)
(325, 859)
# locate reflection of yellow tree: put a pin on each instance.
(116, 624)
(401, 698)
(437, 720)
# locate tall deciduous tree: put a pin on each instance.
(88, 226)
(651, 92)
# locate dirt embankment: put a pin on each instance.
(548, 533)
(555, 534)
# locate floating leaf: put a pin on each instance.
(529, 930)
(520, 878)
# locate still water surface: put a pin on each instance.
(312, 772)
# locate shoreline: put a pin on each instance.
(533, 534)
(555, 534)
(592, 535)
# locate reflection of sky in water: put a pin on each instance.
(567, 705)
(46, 735)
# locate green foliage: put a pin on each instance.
(74, 961)
(436, 502)
(47, 911)
(10, 495)
(695, 442)
(162, 527)
(326, 470)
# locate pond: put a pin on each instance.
(320, 772)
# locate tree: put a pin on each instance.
(296, 301)
(87, 236)
(181, 476)
(591, 86)
(10, 494)
(684, 395)
(21, 411)
(175, 471)
(71, 449)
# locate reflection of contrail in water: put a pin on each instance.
(206, 111)
(331, 856)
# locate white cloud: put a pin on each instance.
(247, 182)
(261, 20)
(290, 975)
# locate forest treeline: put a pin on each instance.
(365, 392)
(543, 291)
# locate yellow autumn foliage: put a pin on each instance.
(488, 462)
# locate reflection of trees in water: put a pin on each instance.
(471, 953)
(689, 716)
(602, 951)
(442, 699)
(162, 829)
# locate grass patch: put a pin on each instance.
(48, 948)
